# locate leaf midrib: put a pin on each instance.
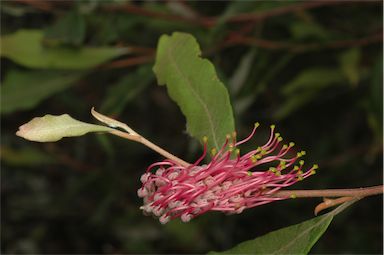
(302, 233)
(189, 83)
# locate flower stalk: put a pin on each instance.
(132, 135)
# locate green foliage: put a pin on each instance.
(374, 104)
(192, 82)
(126, 89)
(69, 30)
(25, 90)
(25, 48)
(313, 79)
(295, 239)
(349, 62)
(26, 156)
(304, 88)
(308, 30)
(52, 128)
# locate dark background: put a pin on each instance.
(78, 195)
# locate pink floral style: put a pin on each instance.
(229, 182)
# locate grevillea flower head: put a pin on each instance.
(229, 183)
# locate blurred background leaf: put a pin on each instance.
(25, 47)
(23, 90)
(126, 89)
(69, 30)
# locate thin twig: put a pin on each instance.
(209, 22)
(142, 140)
(356, 192)
(294, 47)
(140, 11)
(132, 135)
(40, 5)
(331, 203)
(281, 10)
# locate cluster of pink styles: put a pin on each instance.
(229, 183)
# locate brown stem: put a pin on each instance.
(141, 11)
(237, 39)
(131, 134)
(356, 192)
(142, 140)
(332, 202)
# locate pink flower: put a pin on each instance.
(229, 182)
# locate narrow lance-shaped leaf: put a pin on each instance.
(25, 89)
(295, 239)
(25, 48)
(51, 128)
(193, 84)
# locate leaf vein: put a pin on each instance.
(189, 83)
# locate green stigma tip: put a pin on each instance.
(301, 162)
(272, 126)
(303, 153)
(205, 139)
(279, 139)
(272, 169)
(291, 144)
(257, 124)
(300, 178)
(277, 134)
(295, 168)
(237, 151)
(299, 154)
(293, 196)
(228, 136)
(213, 151)
(249, 173)
(313, 171)
(285, 146)
(315, 166)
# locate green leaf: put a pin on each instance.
(294, 103)
(51, 128)
(374, 104)
(193, 84)
(24, 90)
(349, 63)
(305, 87)
(68, 30)
(25, 48)
(305, 30)
(242, 72)
(313, 79)
(126, 89)
(295, 239)
(25, 156)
